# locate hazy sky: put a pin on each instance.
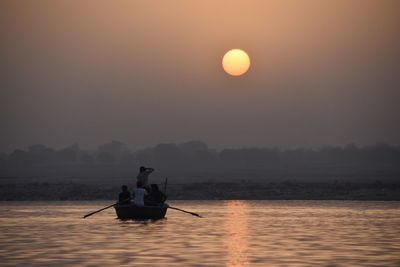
(146, 72)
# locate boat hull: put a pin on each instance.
(134, 212)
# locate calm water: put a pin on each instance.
(232, 233)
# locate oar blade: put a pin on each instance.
(94, 212)
(189, 212)
(87, 215)
(195, 214)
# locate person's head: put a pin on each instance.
(142, 168)
(124, 188)
(139, 184)
(154, 187)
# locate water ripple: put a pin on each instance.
(232, 233)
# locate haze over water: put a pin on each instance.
(144, 72)
(232, 233)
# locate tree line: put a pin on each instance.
(196, 156)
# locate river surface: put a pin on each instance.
(231, 233)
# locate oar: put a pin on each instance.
(194, 214)
(112, 205)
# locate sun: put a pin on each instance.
(236, 62)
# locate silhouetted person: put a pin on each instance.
(156, 195)
(139, 194)
(125, 196)
(143, 176)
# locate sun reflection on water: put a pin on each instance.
(236, 233)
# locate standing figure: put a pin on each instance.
(143, 176)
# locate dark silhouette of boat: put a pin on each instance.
(131, 211)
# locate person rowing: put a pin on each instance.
(155, 197)
(125, 196)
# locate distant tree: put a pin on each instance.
(382, 153)
(249, 158)
(41, 154)
(116, 149)
(37, 148)
(87, 158)
(192, 147)
(19, 156)
(68, 154)
(3, 159)
(145, 157)
(168, 155)
(105, 157)
(204, 159)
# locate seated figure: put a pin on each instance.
(125, 196)
(156, 196)
(139, 194)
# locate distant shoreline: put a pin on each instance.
(45, 191)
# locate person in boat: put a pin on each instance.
(139, 194)
(125, 196)
(156, 196)
(143, 176)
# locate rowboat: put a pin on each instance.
(148, 212)
(132, 211)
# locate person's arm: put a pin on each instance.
(149, 170)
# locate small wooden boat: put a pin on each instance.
(131, 211)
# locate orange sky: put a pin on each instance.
(145, 72)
